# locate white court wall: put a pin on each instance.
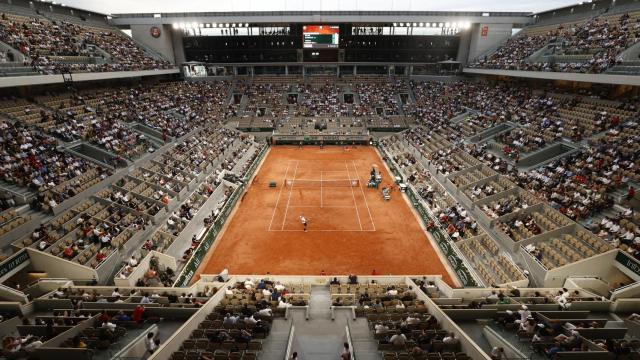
(56, 267)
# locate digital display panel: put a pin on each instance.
(320, 36)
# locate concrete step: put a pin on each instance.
(19, 192)
(275, 345)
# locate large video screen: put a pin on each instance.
(320, 36)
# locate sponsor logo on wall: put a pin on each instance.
(155, 31)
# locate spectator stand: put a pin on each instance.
(486, 134)
(192, 337)
(154, 262)
(477, 182)
(466, 347)
(513, 201)
(199, 253)
(528, 223)
(102, 209)
(446, 245)
(495, 267)
(509, 201)
(565, 47)
(167, 311)
(182, 231)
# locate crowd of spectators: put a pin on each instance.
(53, 47)
(580, 186)
(550, 336)
(323, 100)
(32, 160)
(599, 40)
(379, 98)
(157, 275)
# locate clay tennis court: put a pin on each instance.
(351, 229)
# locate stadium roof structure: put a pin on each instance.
(322, 16)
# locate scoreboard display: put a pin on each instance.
(320, 36)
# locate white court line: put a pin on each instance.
(326, 207)
(336, 230)
(318, 180)
(353, 194)
(279, 193)
(320, 188)
(365, 198)
(286, 210)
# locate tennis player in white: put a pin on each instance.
(303, 220)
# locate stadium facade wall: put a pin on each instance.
(178, 47)
(597, 266)
(13, 81)
(560, 76)
(60, 269)
(162, 44)
(487, 37)
(463, 47)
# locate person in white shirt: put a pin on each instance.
(524, 314)
(412, 319)
(265, 312)
(399, 339)
(116, 292)
(250, 320)
(133, 262)
(58, 293)
(381, 328)
(150, 342)
(493, 296)
(450, 339)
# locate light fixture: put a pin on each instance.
(447, 24)
(415, 24)
(176, 26)
(421, 24)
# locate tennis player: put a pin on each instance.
(303, 220)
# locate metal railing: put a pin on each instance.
(352, 350)
(292, 330)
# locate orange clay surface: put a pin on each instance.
(350, 229)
